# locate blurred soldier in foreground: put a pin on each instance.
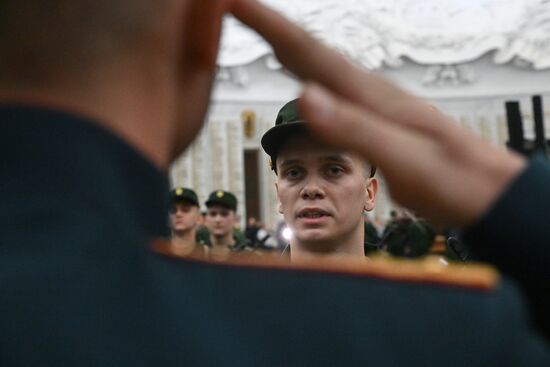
(184, 217)
(322, 192)
(98, 97)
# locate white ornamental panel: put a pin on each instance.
(433, 32)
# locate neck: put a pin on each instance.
(124, 102)
(222, 241)
(351, 245)
(184, 239)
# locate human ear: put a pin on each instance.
(202, 33)
(372, 189)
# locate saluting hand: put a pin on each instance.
(430, 164)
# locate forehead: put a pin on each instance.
(183, 204)
(304, 148)
(218, 208)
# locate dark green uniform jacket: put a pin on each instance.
(241, 243)
(80, 287)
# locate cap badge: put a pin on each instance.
(179, 192)
(219, 194)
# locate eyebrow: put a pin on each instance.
(337, 158)
(331, 158)
(289, 162)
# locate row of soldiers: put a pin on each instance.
(216, 235)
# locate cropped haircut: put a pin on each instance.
(43, 41)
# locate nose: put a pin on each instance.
(312, 189)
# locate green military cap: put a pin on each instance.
(182, 194)
(222, 198)
(288, 122)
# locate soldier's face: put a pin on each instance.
(220, 220)
(183, 217)
(322, 192)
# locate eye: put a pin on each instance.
(292, 173)
(334, 170)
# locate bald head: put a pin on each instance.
(128, 64)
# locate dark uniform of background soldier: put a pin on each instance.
(98, 97)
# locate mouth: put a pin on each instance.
(313, 213)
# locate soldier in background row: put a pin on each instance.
(184, 216)
(220, 220)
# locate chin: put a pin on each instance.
(316, 238)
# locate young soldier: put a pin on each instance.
(184, 217)
(220, 221)
(322, 192)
